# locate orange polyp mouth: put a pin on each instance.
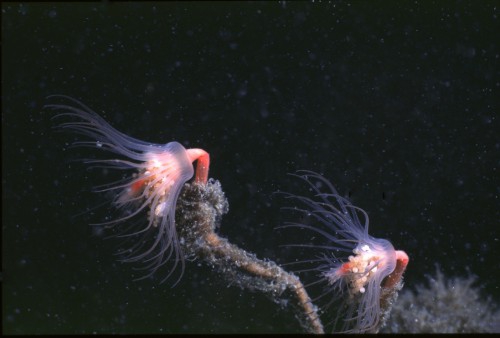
(394, 278)
(202, 166)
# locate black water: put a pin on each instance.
(397, 104)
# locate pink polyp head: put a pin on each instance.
(352, 265)
(147, 196)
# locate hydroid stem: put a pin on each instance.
(199, 210)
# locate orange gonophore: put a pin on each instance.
(147, 197)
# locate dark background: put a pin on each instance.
(395, 103)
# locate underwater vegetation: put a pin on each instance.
(444, 305)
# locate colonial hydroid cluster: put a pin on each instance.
(165, 219)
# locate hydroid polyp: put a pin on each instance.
(359, 272)
(146, 196)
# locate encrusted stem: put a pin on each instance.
(199, 210)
